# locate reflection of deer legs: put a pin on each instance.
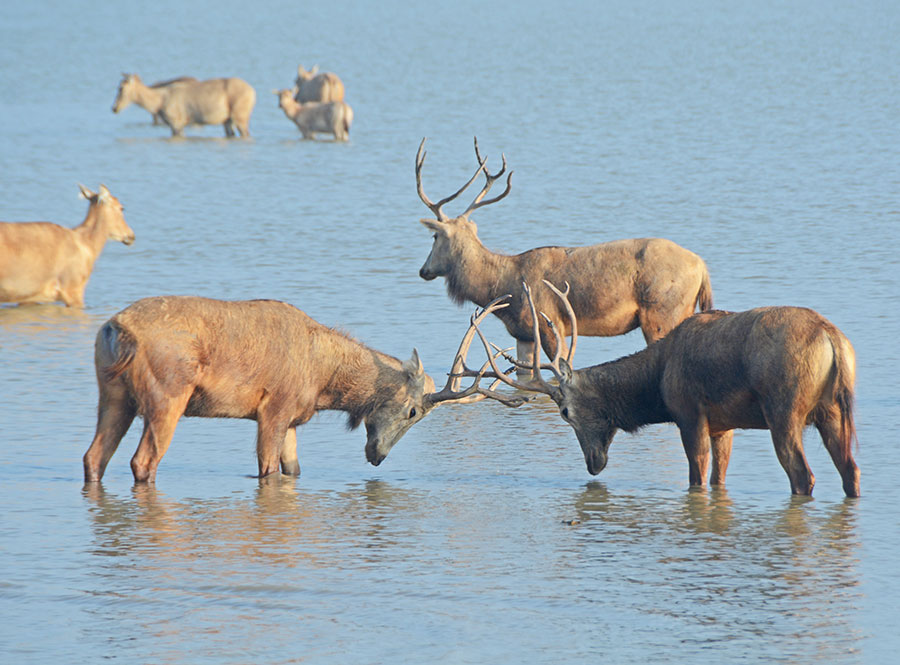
(290, 465)
(829, 427)
(721, 455)
(160, 420)
(115, 415)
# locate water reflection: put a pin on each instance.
(38, 319)
(732, 571)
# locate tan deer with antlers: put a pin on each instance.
(650, 283)
(774, 368)
(167, 357)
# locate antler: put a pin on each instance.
(474, 393)
(489, 181)
(436, 207)
(537, 382)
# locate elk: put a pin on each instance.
(263, 360)
(618, 286)
(774, 368)
(42, 262)
(223, 101)
(317, 117)
(311, 86)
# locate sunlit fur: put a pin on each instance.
(262, 360)
(223, 101)
(41, 262)
(313, 86)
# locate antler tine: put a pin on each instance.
(436, 207)
(458, 369)
(564, 296)
(536, 350)
(489, 182)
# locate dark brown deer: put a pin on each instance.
(617, 286)
(774, 368)
(263, 360)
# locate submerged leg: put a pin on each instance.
(721, 456)
(829, 427)
(695, 439)
(159, 426)
(115, 414)
(290, 465)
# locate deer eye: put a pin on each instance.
(412, 412)
(565, 412)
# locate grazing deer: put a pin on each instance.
(774, 368)
(223, 101)
(312, 86)
(42, 262)
(167, 357)
(317, 117)
(618, 286)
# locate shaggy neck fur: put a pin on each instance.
(477, 274)
(629, 389)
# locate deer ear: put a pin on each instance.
(566, 370)
(434, 225)
(103, 195)
(414, 365)
(85, 192)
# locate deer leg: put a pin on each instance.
(524, 351)
(271, 435)
(695, 439)
(721, 455)
(290, 465)
(830, 429)
(115, 415)
(788, 440)
(229, 128)
(159, 426)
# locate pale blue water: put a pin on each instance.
(762, 136)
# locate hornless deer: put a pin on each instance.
(166, 84)
(312, 86)
(775, 368)
(224, 101)
(263, 360)
(618, 286)
(317, 117)
(42, 262)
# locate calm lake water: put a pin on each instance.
(764, 136)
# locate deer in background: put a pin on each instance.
(312, 86)
(617, 286)
(42, 262)
(311, 118)
(223, 101)
(167, 357)
(774, 368)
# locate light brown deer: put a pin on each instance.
(617, 286)
(166, 84)
(311, 118)
(42, 262)
(223, 101)
(774, 368)
(167, 357)
(312, 86)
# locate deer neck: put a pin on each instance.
(148, 98)
(629, 389)
(479, 275)
(360, 379)
(92, 232)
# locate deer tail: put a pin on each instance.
(705, 294)
(114, 350)
(844, 366)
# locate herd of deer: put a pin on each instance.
(775, 368)
(315, 103)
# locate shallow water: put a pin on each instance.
(762, 137)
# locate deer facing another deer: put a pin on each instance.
(263, 360)
(650, 283)
(775, 368)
